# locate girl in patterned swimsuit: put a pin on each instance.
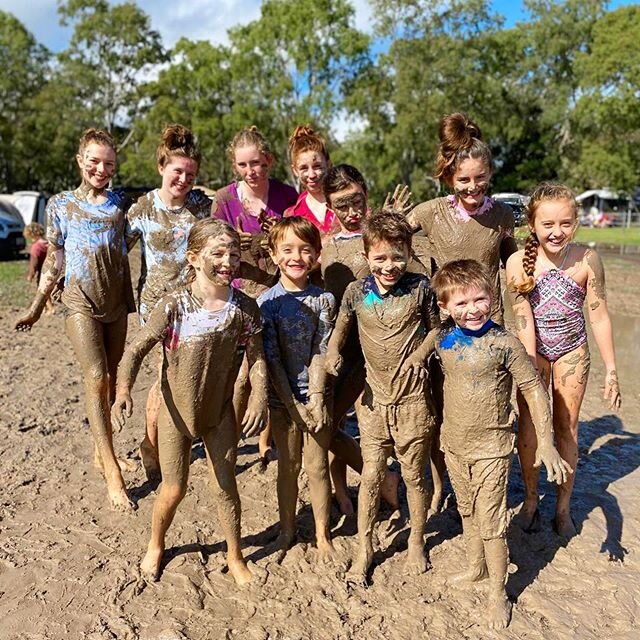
(548, 282)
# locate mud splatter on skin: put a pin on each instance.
(520, 322)
(597, 283)
(578, 365)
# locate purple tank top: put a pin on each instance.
(556, 301)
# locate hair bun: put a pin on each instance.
(457, 131)
(177, 136)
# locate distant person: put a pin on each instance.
(549, 282)
(35, 234)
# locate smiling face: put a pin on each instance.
(470, 182)
(350, 205)
(387, 263)
(554, 223)
(310, 167)
(178, 177)
(470, 308)
(97, 164)
(252, 166)
(218, 261)
(295, 257)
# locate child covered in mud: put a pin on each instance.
(480, 359)
(35, 234)
(205, 329)
(393, 310)
(549, 282)
(161, 219)
(85, 230)
(466, 224)
(298, 318)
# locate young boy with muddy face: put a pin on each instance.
(480, 359)
(205, 328)
(393, 310)
(297, 320)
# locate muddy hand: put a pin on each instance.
(25, 323)
(558, 470)
(121, 410)
(266, 221)
(302, 416)
(56, 294)
(255, 419)
(245, 238)
(612, 390)
(317, 408)
(332, 363)
(412, 365)
(400, 201)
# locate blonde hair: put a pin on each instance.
(460, 138)
(303, 139)
(178, 141)
(250, 137)
(33, 231)
(544, 192)
(200, 232)
(97, 136)
(460, 275)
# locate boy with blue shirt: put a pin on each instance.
(297, 321)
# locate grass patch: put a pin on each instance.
(614, 235)
(15, 291)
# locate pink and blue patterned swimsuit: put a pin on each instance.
(556, 301)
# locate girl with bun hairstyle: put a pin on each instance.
(162, 219)
(85, 231)
(466, 224)
(310, 162)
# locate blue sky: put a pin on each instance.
(195, 19)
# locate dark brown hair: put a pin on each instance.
(304, 139)
(460, 138)
(386, 226)
(97, 136)
(340, 177)
(250, 137)
(200, 232)
(303, 228)
(460, 275)
(544, 192)
(177, 141)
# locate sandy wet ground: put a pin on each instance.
(68, 564)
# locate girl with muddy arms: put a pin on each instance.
(549, 281)
(205, 327)
(161, 219)
(466, 224)
(85, 231)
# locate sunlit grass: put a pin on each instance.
(613, 235)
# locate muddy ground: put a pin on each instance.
(68, 564)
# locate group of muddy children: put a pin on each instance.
(278, 313)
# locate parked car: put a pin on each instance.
(12, 240)
(517, 203)
(32, 205)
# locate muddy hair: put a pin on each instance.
(460, 275)
(177, 141)
(388, 226)
(301, 227)
(544, 192)
(304, 139)
(340, 177)
(250, 137)
(97, 136)
(460, 138)
(200, 232)
(33, 231)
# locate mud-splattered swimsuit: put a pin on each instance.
(556, 301)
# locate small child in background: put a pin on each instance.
(205, 328)
(480, 359)
(34, 233)
(297, 320)
(394, 311)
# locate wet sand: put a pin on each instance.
(68, 563)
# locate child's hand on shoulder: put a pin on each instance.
(558, 469)
(612, 390)
(121, 410)
(317, 407)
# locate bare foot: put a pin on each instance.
(474, 573)
(528, 518)
(150, 565)
(499, 611)
(344, 503)
(417, 561)
(359, 569)
(283, 543)
(150, 461)
(564, 526)
(326, 551)
(240, 572)
(389, 489)
(125, 465)
(265, 458)
(120, 501)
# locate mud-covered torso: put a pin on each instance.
(451, 236)
(479, 368)
(202, 353)
(390, 328)
(164, 233)
(97, 278)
